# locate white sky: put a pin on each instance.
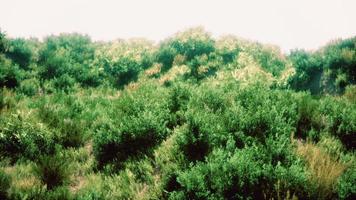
(287, 23)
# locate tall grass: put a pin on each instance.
(324, 169)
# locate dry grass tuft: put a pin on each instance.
(173, 73)
(22, 177)
(153, 70)
(325, 170)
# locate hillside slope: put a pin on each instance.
(192, 117)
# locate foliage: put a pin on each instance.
(20, 52)
(30, 87)
(192, 117)
(122, 61)
(142, 123)
(20, 137)
(62, 113)
(5, 182)
(345, 185)
(328, 70)
(308, 69)
(269, 57)
(190, 43)
(10, 75)
(53, 170)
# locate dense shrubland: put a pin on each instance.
(192, 117)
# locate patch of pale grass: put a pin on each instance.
(173, 73)
(155, 69)
(324, 169)
(22, 177)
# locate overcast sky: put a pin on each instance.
(288, 23)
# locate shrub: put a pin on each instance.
(346, 188)
(20, 52)
(90, 77)
(29, 87)
(190, 43)
(307, 118)
(59, 193)
(340, 120)
(10, 74)
(269, 57)
(222, 177)
(21, 138)
(166, 55)
(140, 123)
(307, 69)
(347, 127)
(60, 53)
(350, 93)
(5, 183)
(63, 114)
(54, 170)
(178, 102)
(124, 71)
(194, 143)
(240, 174)
(64, 83)
(71, 133)
(126, 60)
(260, 112)
(7, 99)
(228, 48)
(3, 42)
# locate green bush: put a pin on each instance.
(346, 184)
(7, 99)
(125, 71)
(10, 74)
(30, 87)
(125, 60)
(59, 193)
(64, 83)
(328, 70)
(179, 96)
(71, 133)
(340, 120)
(166, 55)
(350, 93)
(54, 170)
(194, 142)
(20, 52)
(90, 77)
(207, 129)
(3, 42)
(22, 138)
(140, 123)
(5, 183)
(63, 114)
(60, 53)
(240, 174)
(223, 177)
(308, 120)
(191, 43)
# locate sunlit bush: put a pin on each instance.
(190, 43)
(22, 138)
(140, 123)
(121, 61)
